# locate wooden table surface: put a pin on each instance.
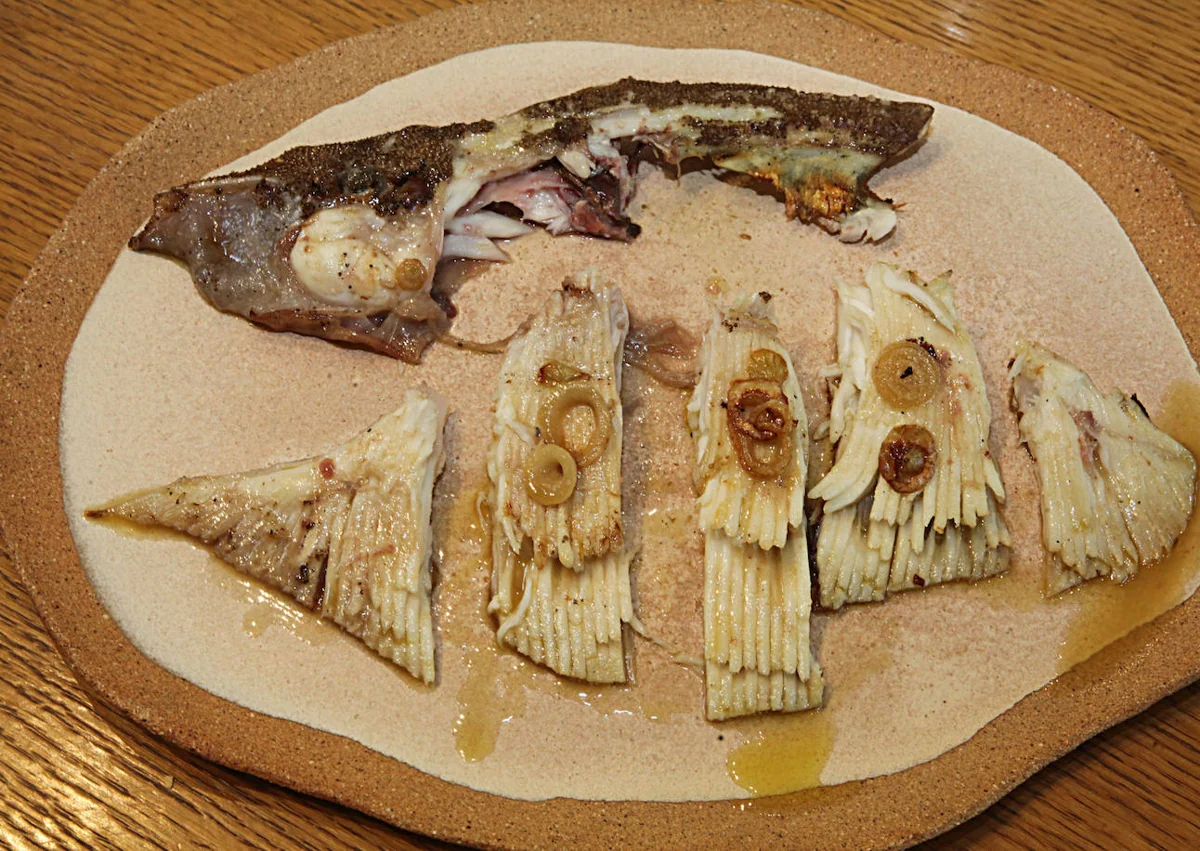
(77, 79)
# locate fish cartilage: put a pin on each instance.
(571, 621)
(1116, 491)
(342, 241)
(748, 692)
(913, 497)
(758, 510)
(757, 596)
(561, 591)
(346, 534)
(573, 343)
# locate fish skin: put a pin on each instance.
(236, 233)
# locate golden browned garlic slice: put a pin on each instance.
(346, 534)
(560, 580)
(1116, 492)
(913, 496)
(751, 434)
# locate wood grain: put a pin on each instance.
(77, 79)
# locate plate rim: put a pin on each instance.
(886, 811)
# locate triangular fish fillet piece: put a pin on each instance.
(1116, 491)
(875, 539)
(560, 579)
(346, 534)
(757, 596)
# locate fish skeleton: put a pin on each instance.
(341, 241)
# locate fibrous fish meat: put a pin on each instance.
(913, 496)
(346, 534)
(560, 579)
(560, 385)
(1116, 491)
(341, 241)
(751, 433)
(753, 509)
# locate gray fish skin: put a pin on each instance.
(341, 241)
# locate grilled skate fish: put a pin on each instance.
(560, 581)
(341, 241)
(913, 496)
(346, 535)
(1116, 492)
(751, 433)
(560, 394)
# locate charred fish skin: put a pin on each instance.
(341, 241)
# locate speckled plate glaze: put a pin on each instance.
(887, 811)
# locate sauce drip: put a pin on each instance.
(1109, 610)
(786, 755)
(267, 609)
(490, 697)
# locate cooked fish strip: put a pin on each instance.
(747, 418)
(1116, 491)
(855, 567)
(757, 509)
(571, 621)
(756, 625)
(569, 351)
(913, 496)
(748, 692)
(346, 534)
(560, 581)
(341, 241)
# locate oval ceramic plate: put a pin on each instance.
(894, 809)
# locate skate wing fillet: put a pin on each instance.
(346, 534)
(751, 435)
(560, 579)
(1116, 492)
(913, 496)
